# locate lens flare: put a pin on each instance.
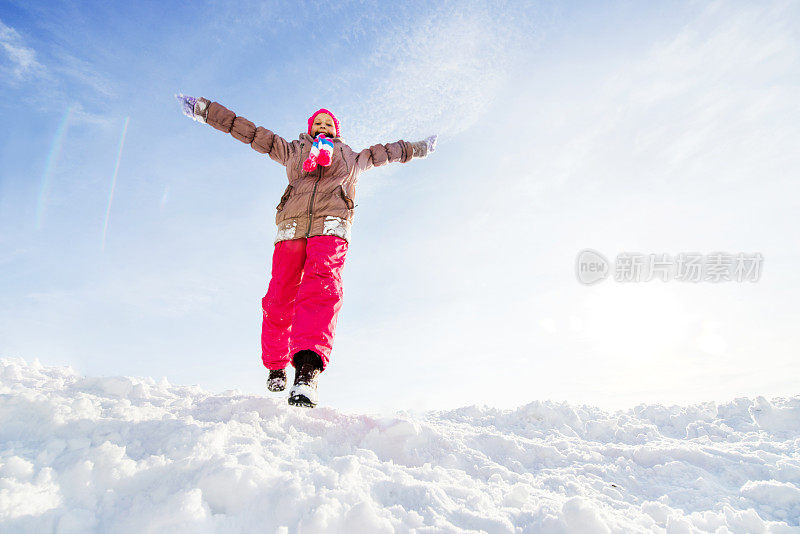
(52, 158)
(114, 181)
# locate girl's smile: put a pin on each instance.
(323, 123)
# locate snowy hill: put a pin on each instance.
(83, 454)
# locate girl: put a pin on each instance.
(314, 218)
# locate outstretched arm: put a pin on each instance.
(225, 120)
(401, 151)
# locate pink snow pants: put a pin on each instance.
(303, 299)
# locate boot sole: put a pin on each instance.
(276, 390)
(301, 400)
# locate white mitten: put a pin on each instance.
(194, 108)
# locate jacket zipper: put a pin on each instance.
(300, 160)
(346, 166)
(311, 201)
(347, 180)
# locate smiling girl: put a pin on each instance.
(314, 218)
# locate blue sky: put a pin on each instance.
(657, 127)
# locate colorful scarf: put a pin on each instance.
(321, 153)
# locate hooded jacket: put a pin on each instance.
(320, 202)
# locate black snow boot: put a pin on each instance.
(276, 380)
(307, 367)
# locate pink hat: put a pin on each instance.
(323, 110)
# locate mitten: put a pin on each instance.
(424, 147)
(194, 108)
(431, 142)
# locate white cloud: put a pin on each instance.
(434, 75)
(682, 143)
(81, 71)
(22, 58)
(49, 75)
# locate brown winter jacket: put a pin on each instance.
(320, 202)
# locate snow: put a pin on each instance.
(91, 454)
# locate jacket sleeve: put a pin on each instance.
(378, 155)
(259, 138)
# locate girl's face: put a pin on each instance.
(323, 123)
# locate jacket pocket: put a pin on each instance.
(347, 200)
(284, 198)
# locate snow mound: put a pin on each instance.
(81, 454)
